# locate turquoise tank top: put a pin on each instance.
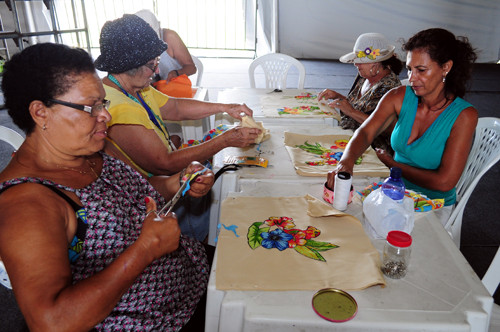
(425, 152)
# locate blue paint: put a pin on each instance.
(231, 228)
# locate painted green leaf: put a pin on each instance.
(310, 253)
(320, 246)
(253, 235)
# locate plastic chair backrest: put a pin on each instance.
(276, 66)
(199, 69)
(11, 136)
(491, 278)
(485, 153)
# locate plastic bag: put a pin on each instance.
(177, 87)
(383, 214)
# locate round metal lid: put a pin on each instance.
(334, 305)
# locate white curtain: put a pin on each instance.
(327, 29)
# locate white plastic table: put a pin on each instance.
(441, 292)
(280, 170)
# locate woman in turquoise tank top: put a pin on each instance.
(434, 126)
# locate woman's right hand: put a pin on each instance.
(160, 233)
(240, 137)
(329, 94)
(342, 166)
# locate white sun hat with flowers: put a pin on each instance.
(370, 47)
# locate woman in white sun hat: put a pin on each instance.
(378, 69)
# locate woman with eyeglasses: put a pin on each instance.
(138, 133)
(378, 69)
(80, 235)
(130, 51)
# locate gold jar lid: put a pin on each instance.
(334, 305)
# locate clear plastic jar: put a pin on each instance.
(396, 256)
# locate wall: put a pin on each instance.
(327, 29)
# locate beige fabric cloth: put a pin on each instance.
(249, 122)
(370, 166)
(272, 102)
(354, 265)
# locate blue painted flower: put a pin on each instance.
(276, 239)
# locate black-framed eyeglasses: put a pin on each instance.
(92, 110)
(152, 66)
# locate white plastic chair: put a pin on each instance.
(276, 66)
(11, 136)
(199, 69)
(484, 154)
(490, 280)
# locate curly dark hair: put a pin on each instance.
(442, 46)
(393, 63)
(41, 72)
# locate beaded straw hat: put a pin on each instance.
(369, 48)
(126, 43)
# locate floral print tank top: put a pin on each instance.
(165, 295)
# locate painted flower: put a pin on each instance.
(299, 239)
(340, 144)
(311, 232)
(361, 54)
(368, 50)
(276, 239)
(281, 222)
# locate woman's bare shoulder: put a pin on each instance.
(395, 96)
(467, 118)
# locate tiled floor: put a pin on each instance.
(481, 224)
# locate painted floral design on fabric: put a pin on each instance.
(280, 233)
(306, 97)
(329, 156)
(297, 110)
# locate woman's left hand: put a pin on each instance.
(236, 110)
(341, 104)
(171, 75)
(384, 157)
(203, 183)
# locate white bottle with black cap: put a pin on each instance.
(341, 190)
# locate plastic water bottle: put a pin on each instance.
(393, 186)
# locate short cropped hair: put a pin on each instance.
(41, 72)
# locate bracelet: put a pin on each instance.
(177, 72)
